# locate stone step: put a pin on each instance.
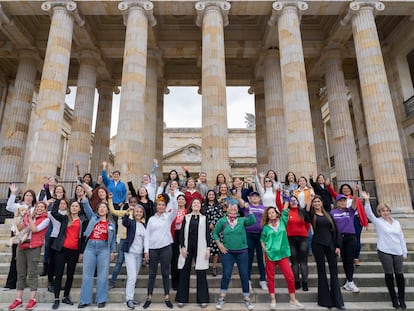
(234, 295)
(235, 306)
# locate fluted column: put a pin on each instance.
(80, 135)
(261, 139)
(386, 152)
(44, 157)
(361, 131)
(15, 125)
(346, 161)
(322, 159)
(275, 119)
(131, 126)
(150, 122)
(159, 139)
(101, 141)
(300, 144)
(212, 17)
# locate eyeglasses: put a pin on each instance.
(268, 180)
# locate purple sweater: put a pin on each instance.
(258, 214)
(344, 220)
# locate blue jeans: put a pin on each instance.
(96, 255)
(253, 243)
(227, 261)
(119, 261)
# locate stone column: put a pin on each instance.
(212, 17)
(80, 135)
(15, 125)
(386, 152)
(261, 138)
(275, 119)
(131, 126)
(346, 161)
(159, 139)
(300, 149)
(322, 159)
(102, 136)
(150, 130)
(44, 157)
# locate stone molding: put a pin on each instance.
(202, 6)
(146, 6)
(69, 5)
(280, 5)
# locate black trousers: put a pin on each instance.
(328, 296)
(175, 275)
(162, 256)
(184, 283)
(349, 245)
(51, 261)
(299, 248)
(12, 276)
(68, 257)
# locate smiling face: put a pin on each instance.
(190, 183)
(317, 204)
(346, 190)
(28, 198)
(102, 209)
(142, 191)
(59, 191)
(233, 209)
(102, 194)
(211, 196)
(63, 205)
(40, 208)
(138, 213)
(302, 182)
(196, 206)
(293, 202)
(342, 203)
(181, 201)
(173, 175)
(223, 189)
(161, 206)
(272, 214)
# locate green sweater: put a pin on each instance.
(233, 238)
(276, 242)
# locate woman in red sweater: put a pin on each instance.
(297, 232)
(191, 192)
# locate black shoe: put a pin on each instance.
(305, 286)
(146, 304)
(168, 304)
(44, 271)
(55, 304)
(297, 285)
(50, 288)
(101, 304)
(82, 305)
(214, 273)
(395, 303)
(341, 308)
(403, 304)
(67, 301)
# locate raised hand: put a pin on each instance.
(365, 195)
(13, 188)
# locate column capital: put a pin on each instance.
(315, 86)
(163, 84)
(256, 87)
(69, 5)
(107, 86)
(280, 5)
(146, 6)
(356, 5)
(204, 5)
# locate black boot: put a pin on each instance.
(389, 281)
(401, 289)
(44, 271)
(305, 286)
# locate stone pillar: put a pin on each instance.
(322, 159)
(386, 152)
(346, 161)
(44, 157)
(150, 130)
(102, 136)
(15, 125)
(159, 139)
(300, 149)
(212, 17)
(131, 126)
(261, 138)
(275, 119)
(361, 131)
(80, 135)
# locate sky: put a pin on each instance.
(182, 107)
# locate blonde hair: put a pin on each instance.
(381, 207)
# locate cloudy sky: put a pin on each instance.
(182, 107)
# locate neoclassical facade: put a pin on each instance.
(356, 57)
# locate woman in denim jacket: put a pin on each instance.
(99, 251)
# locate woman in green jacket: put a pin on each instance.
(233, 249)
(276, 251)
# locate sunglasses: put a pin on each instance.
(268, 180)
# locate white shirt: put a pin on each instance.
(137, 245)
(158, 232)
(390, 235)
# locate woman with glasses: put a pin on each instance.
(267, 192)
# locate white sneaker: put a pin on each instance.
(350, 286)
(345, 285)
(263, 285)
(296, 304)
(248, 304)
(273, 306)
(220, 304)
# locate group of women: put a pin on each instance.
(189, 223)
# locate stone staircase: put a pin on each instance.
(368, 277)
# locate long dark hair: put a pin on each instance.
(325, 213)
(168, 181)
(346, 185)
(34, 201)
